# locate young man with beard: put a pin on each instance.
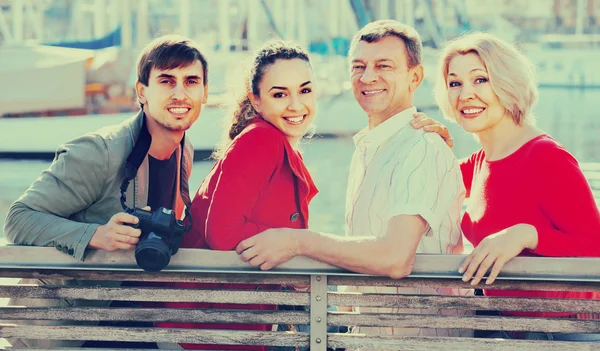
(75, 204)
(405, 189)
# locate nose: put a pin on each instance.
(295, 103)
(467, 92)
(179, 92)
(369, 76)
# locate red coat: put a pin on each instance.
(260, 183)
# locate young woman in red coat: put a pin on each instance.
(522, 185)
(259, 180)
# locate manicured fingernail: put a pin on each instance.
(464, 278)
(461, 270)
(473, 283)
(488, 282)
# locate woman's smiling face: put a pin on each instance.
(286, 98)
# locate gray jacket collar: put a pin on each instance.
(138, 189)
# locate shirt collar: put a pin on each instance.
(385, 130)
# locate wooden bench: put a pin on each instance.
(47, 264)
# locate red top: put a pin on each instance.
(261, 182)
(539, 184)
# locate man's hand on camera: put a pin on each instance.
(116, 234)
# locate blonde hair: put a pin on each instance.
(511, 74)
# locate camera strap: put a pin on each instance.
(135, 160)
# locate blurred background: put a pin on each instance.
(68, 67)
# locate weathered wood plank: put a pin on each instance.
(464, 302)
(458, 283)
(188, 277)
(452, 344)
(155, 294)
(301, 317)
(557, 325)
(155, 315)
(204, 336)
(300, 298)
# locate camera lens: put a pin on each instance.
(152, 254)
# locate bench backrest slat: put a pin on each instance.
(155, 294)
(144, 314)
(233, 337)
(454, 344)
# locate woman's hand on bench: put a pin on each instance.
(495, 250)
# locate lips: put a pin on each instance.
(295, 119)
(369, 93)
(179, 110)
(471, 111)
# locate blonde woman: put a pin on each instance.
(522, 183)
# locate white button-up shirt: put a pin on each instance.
(397, 170)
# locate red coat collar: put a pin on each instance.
(296, 162)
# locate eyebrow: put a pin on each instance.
(170, 76)
(473, 70)
(285, 88)
(376, 60)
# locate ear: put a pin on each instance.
(416, 76)
(205, 96)
(255, 101)
(140, 90)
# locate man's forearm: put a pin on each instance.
(25, 226)
(365, 254)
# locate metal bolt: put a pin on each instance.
(318, 319)
(318, 298)
(318, 340)
(318, 278)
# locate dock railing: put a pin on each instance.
(96, 281)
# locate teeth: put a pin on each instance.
(372, 92)
(295, 119)
(472, 110)
(178, 110)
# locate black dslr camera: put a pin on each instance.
(162, 233)
(161, 237)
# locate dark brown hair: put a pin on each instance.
(243, 111)
(169, 52)
(378, 30)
